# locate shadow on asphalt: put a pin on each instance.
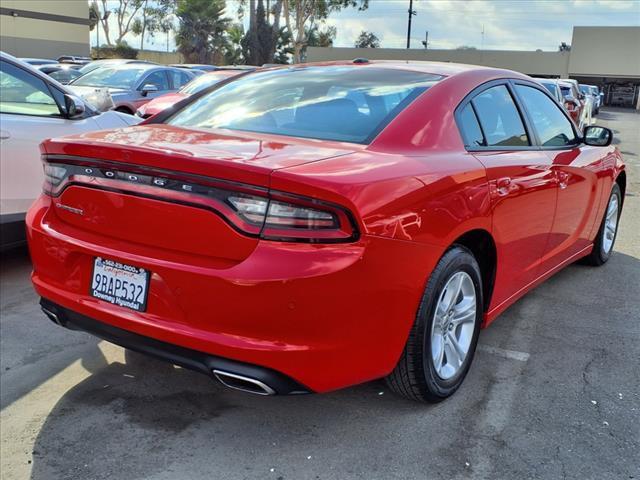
(149, 414)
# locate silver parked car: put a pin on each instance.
(33, 107)
(110, 62)
(553, 86)
(134, 84)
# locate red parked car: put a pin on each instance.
(314, 227)
(196, 85)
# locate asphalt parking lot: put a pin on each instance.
(554, 392)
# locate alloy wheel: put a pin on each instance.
(610, 225)
(453, 325)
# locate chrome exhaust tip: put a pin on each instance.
(52, 316)
(242, 383)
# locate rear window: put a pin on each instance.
(349, 104)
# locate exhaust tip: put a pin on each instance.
(51, 315)
(242, 383)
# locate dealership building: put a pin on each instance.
(44, 28)
(605, 56)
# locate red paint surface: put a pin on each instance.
(328, 315)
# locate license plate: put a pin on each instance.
(120, 284)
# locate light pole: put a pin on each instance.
(412, 12)
(425, 42)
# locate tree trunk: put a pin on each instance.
(105, 23)
(144, 24)
(275, 30)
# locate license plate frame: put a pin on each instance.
(114, 278)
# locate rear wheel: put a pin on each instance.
(443, 339)
(603, 244)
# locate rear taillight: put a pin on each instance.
(253, 211)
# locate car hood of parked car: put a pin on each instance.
(160, 103)
(221, 153)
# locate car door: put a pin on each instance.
(576, 167)
(157, 78)
(521, 182)
(31, 110)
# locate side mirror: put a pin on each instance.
(581, 96)
(597, 136)
(75, 107)
(148, 88)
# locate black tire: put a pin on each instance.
(598, 255)
(415, 377)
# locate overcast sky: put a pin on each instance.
(507, 24)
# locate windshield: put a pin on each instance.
(584, 89)
(566, 91)
(204, 81)
(550, 86)
(350, 104)
(111, 77)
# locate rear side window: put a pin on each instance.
(499, 118)
(158, 79)
(179, 79)
(552, 127)
(470, 127)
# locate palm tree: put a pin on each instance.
(201, 32)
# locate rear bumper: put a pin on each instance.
(187, 358)
(326, 316)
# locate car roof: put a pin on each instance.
(445, 69)
(139, 66)
(38, 60)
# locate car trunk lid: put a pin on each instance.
(168, 187)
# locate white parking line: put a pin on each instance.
(501, 352)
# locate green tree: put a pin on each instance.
(124, 11)
(201, 30)
(564, 47)
(155, 17)
(261, 40)
(284, 47)
(367, 40)
(301, 17)
(233, 52)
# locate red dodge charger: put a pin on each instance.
(308, 228)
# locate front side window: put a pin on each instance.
(24, 94)
(124, 78)
(552, 127)
(349, 104)
(158, 79)
(500, 119)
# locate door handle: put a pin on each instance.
(563, 179)
(503, 186)
(4, 135)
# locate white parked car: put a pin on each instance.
(33, 107)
